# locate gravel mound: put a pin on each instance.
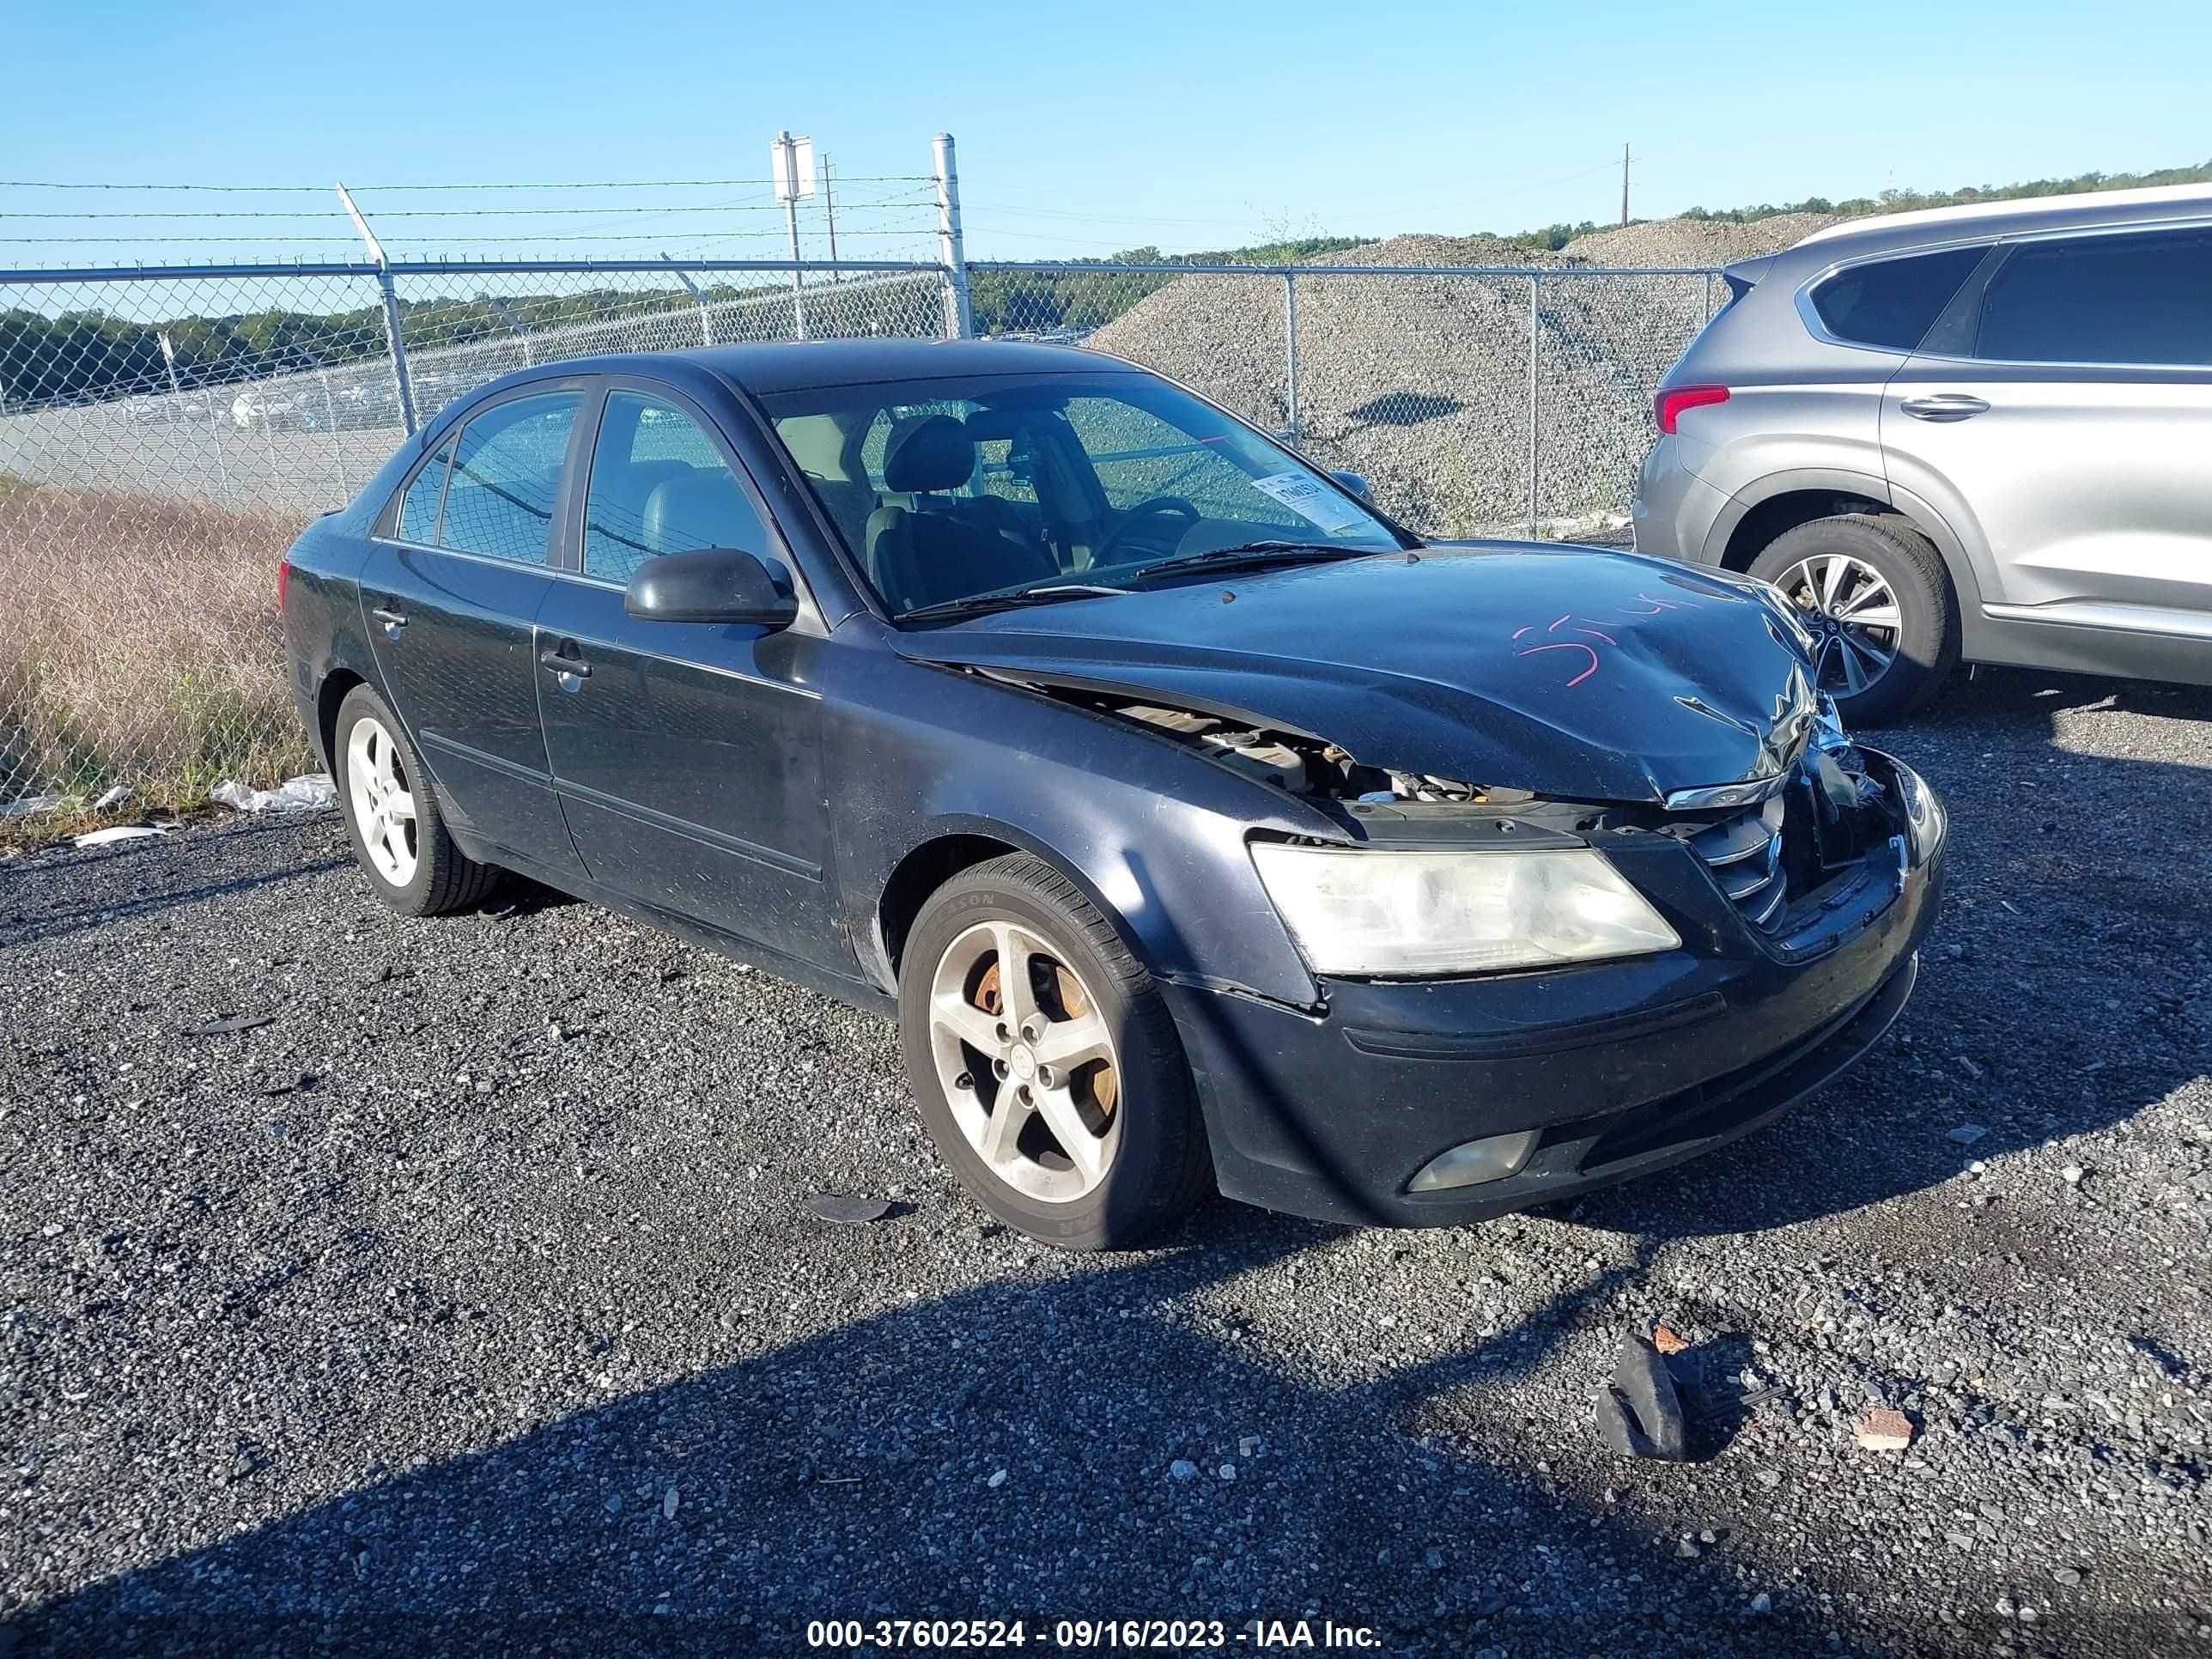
(1421, 383)
(1696, 242)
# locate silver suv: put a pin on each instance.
(1980, 432)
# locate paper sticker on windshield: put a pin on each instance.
(1312, 500)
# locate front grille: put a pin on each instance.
(1744, 853)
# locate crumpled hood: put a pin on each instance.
(1566, 670)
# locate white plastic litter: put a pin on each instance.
(114, 798)
(30, 804)
(311, 792)
(121, 832)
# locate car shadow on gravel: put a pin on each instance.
(1053, 1445)
(2060, 993)
(28, 912)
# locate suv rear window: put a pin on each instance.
(2139, 298)
(1893, 302)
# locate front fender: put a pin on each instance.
(1154, 834)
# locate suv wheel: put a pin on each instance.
(399, 836)
(1046, 1066)
(1879, 604)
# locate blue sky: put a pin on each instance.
(1081, 130)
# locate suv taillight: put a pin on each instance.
(283, 581)
(1669, 405)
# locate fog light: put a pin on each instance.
(1471, 1162)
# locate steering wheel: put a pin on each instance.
(1158, 507)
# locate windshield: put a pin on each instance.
(957, 489)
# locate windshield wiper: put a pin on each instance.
(1254, 556)
(976, 604)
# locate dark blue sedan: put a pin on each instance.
(1204, 829)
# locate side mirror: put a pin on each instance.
(1356, 482)
(712, 585)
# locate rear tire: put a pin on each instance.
(394, 817)
(997, 1107)
(1879, 601)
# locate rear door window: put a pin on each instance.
(506, 478)
(659, 485)
(2144, 297)
(1893, 302)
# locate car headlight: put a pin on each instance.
(1924, 819)
(1400, 913)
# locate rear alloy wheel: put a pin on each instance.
(1875, 596)
(1045, 1064)
(393, 815)
(378, 789)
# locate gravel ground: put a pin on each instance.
(473, 1300)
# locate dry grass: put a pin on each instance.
(140, 645)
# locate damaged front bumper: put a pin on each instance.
(1617, 1068)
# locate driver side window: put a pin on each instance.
(659, 485)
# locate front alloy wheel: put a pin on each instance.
(1026, 1062)
(1044, 1063)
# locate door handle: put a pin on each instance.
(393, 621)
(1945, 406)
(557, 662)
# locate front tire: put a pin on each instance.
(1057, 1091)
(392, 816)
(1878, 603)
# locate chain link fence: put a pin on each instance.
(165, 434)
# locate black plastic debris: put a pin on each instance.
(1639, 1412)
(852, 1212)
(232, 1022)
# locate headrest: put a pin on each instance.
(936, 454)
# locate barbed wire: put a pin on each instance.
(603, 183)
(455, 213)
(354, 241)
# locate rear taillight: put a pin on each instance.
(283, 581)
(1670, 403)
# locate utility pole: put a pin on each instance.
(829, 212)
(1624, 185)
(791, 166)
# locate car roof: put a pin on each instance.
(1927, 227)
(793, 365)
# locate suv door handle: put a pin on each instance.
(559, 663)
(1945, 406)
(393, 621)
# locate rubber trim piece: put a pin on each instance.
(1554, 1039)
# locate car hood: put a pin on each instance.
(1566, 671)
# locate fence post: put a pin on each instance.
(331, 421)
(177, 390)
(951, 248)
(1535, 392)
(699, 299)
(393, 338)
(1291, 352)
